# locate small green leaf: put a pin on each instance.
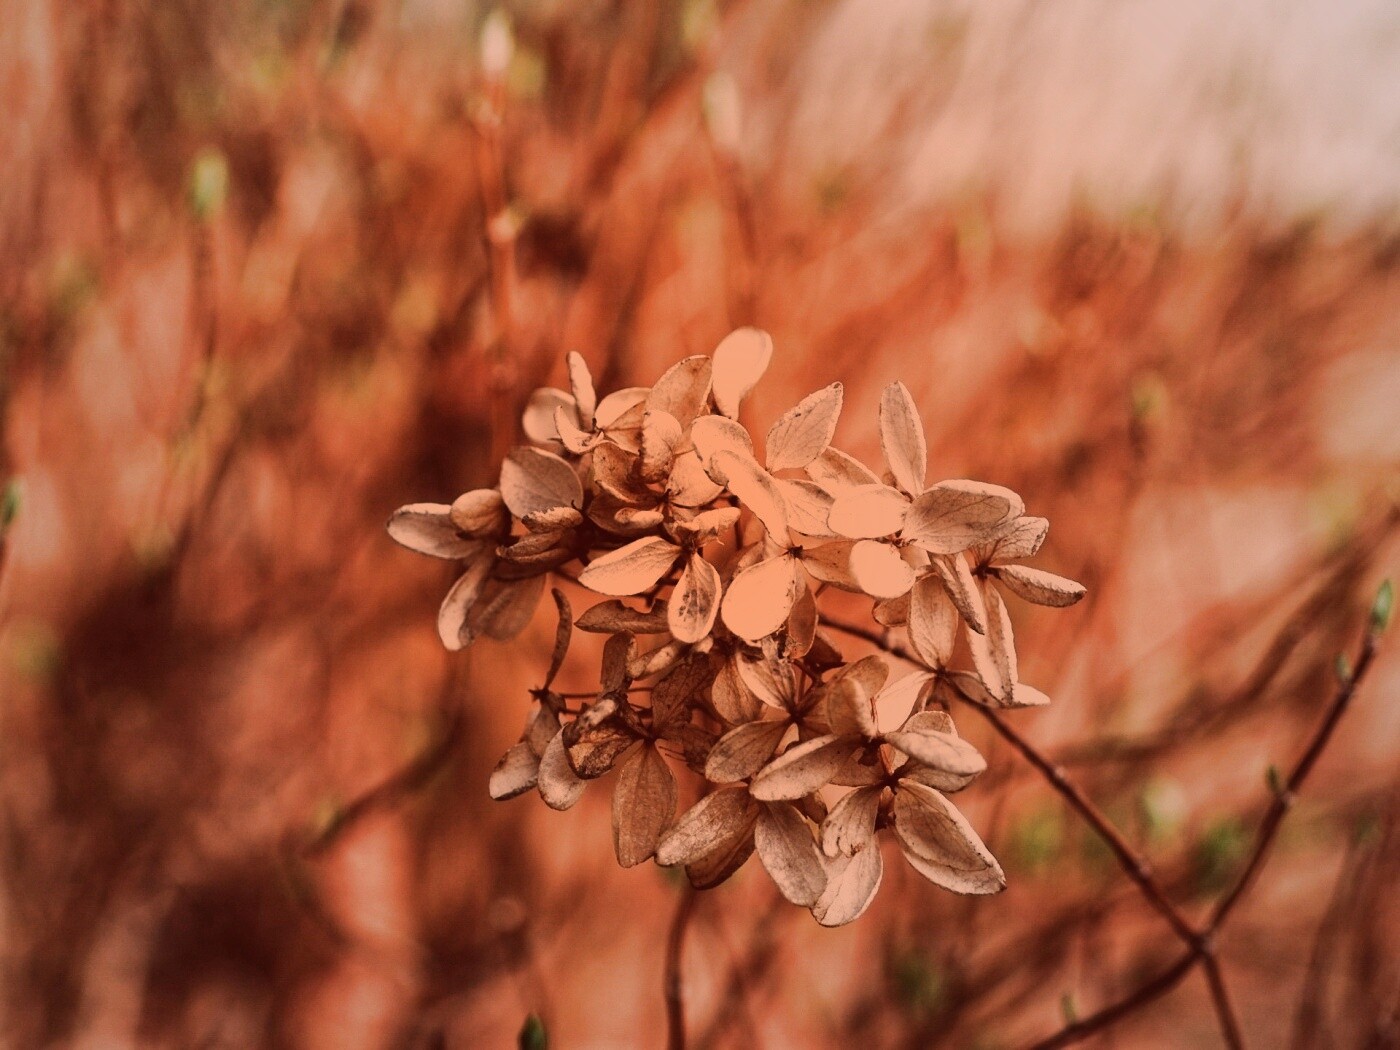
(208, 184)
(9, 505)
(1342, 667)
(1068, 1009)
(1382, 607)
(1273, 779)
(533, 1035)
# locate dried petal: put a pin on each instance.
(831, 563)
(902, 437)
(581, 382)
(1023, 540)
(481, 512)
(559, 785)
(615, 674)
(689, 485)
(708, 826)
(683, 390)
(835, 471)
(715, 434)
(801, 769)
(757, 491)
(850, 826)
(612, 617)
(730, 698)
(661, 433)
(945, 751)
(933, 623)
(773, 682)
(879, 571)
(994, 653)
(1039, 586)
(851, 884)
(534, 480)
(962, 588)
(538, 418)
(452, 615)
(681, 689)
(612, 472)
(507, 611)
(632, 569)
(807, 504)
(955, 515)
(555, 519)
(868, 512)
(760, 597)
(515, 773)
(804, 431)
(848, 710)
(739, 363)
(801, 625)
(940, 844)
(593, 751)
(575, 438)
(743, 751)
(427, 528)
(617, 404)
(790, 855)
(695, 601)
(656, 661)
(644, 802)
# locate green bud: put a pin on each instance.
(1067, 1008)
(9, 505)
(1382, 607)
(1342, 667)
(1273, 779)
(208, 183)
(533, 1035)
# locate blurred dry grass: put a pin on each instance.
(246, 308)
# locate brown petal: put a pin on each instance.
(955, 515)
(427, 528)
(850, 826)
(559, 785)
(575, 438)
(789, 853)
(617, 404)
(868, 512)
(891, 612)
(1039, 586)
(902, 437)
(644, 802)
(594, 750)
(538, 418)
(773, 682)
(801, 625)
(801, 769)
(612, 617)
(515, 773)
(940, 844)
(945, 751)
(481, 512)
(715, 434)
(581, 382)
(631, 569)
(673, 696)
(695, 601)
(534, 480)
(730, 698)
(933, 623)
(688, 484)
(994, 654)
(728, 857)
(835, 470)
(661, 433)
(508, 610)
(615, 674)
(760, 597)
(612, 472)
(706, 827)
(869, 672)
(851, 884)
(563, 633)
(740, 361)
(683, 390)
(962, 588)
(743, 751)
(556, 519)
(807, 505)
(1023, 540)
(804, 431)
(909, 693)
(708, 524)
(757, 491)
(656, 661)
(879, 571)
(848, 710)
(452, 616)
(831, 563)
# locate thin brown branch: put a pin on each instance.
(1224, 1011)
(672, 986)
(1287, 794)
(1131, 1003)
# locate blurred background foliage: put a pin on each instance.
(271, 268)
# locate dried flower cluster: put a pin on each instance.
(715, 655)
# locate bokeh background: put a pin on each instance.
(270, 268)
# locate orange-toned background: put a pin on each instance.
(270, 268)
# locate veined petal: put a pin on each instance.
(534, 480)
(743, 751)
(933, 622)
(804, 431)
(760, 597)
(851, 884)
(940, 844)
(428, 528)
(1039, 586)
(695, 601)
(879, 570)
(644, 801)
(902, 437)
(954, 515)
(850, 826)
(868, 512)
(789, 853)
(801, 769)
(705, 827)
(631, 569)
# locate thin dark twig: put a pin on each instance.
(1110, 1015)
(1287, 794)
(675, 942)
(1229, 1023)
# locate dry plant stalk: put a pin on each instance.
(710, 556)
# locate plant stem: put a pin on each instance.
(672, 987)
